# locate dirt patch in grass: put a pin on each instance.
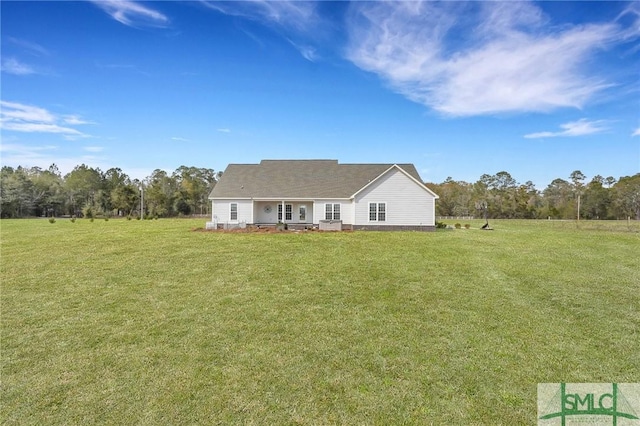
(261, 230)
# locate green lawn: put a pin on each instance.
(147, 322)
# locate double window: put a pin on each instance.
(288, 210)
(332, 211)
(377, 212)
(233, 211)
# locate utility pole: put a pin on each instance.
(578, 206)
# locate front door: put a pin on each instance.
(302, 218)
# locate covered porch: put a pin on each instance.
(292, 212)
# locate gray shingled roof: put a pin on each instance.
(299, 179)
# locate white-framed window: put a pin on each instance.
(288, 209)
(377, 212)
(332, 211)
(233, 211)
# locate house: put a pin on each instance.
(324, 193)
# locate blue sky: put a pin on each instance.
(538, 89)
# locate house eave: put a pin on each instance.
(281, 198)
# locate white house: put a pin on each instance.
(305, 193)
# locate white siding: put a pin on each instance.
(261, 216)
(221, 211)
(346, 210)
(407, 202)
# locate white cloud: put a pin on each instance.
(131, 13)
(581, 127)
(14, 155)
(19, 112)
(297, 21)
(224, 130)
(636, 132)
(13, 66)
(175, 138)
(307, 52)
(33, 48)
(40, 128)
(632, 14)
(291, 14)
(75, 120)
(93, 148)
(31, 119)
(511, 60)
(24, 149)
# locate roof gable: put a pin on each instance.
(301, 179)
(396, 167)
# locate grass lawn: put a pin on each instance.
(147, 322)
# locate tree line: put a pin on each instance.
(90, 192)
(502, 197)
(87, 191)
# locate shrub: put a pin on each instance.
(467, 226)
(129, 217)
(52, 220)
(106, 218)
(91, 219)
(458, 226)
(441, 225)
(88, 212)
(73, 219)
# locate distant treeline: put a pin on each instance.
(89, 192)
(600, 198)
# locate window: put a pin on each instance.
(377, 212)
(233, 214)
(373, 211)
(332, 211)
(287, 212)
